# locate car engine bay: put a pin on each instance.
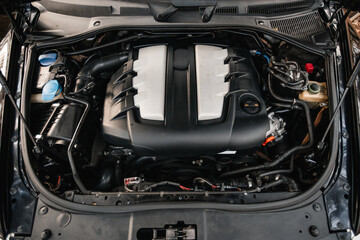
(220, 111)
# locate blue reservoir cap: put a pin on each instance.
(47, 59)
(50, 90)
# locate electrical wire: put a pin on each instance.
(57, 186)
(205, 181)
(150, 187)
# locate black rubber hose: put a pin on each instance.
(291, 151)
(123, 40)
(308, 121)
(119, 41)
(143, 160)
(285, 105)
(266, 186)
(97, 66)
(278, 76)
(280, 171)
(106, 180)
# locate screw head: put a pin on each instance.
(205, 18)
(43, 210)
(317, 207)
(13, 191)
(339, 225)
(314, 231)
(97, 23)
(20, 228)
(346, 187)
(46, 234)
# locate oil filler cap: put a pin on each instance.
(50, 90)
(251, 106)
(47, 59)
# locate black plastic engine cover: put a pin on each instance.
(243, 123)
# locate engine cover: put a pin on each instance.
(185, 100)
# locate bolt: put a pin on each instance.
(97, 23)
(43, 210)
(261, 23)
(206, 18)
(340, 225)
(314, 231)
(13, 191)
(345, 135)
(20, 228)
(317, 207)
(346, 187)
(46, 234)
(14, 139)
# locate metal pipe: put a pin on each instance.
(74, 138)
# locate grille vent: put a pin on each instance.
(302, 27)
(227, 10)
(281, 8)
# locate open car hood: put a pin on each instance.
(348, 4)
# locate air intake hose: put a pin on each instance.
(97, 66)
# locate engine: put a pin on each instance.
(206, 112)
(185, 100)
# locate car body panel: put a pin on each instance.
(327, 210)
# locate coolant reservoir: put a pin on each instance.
(315, 94)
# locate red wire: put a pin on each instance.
(58, 182)
(185, 188)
